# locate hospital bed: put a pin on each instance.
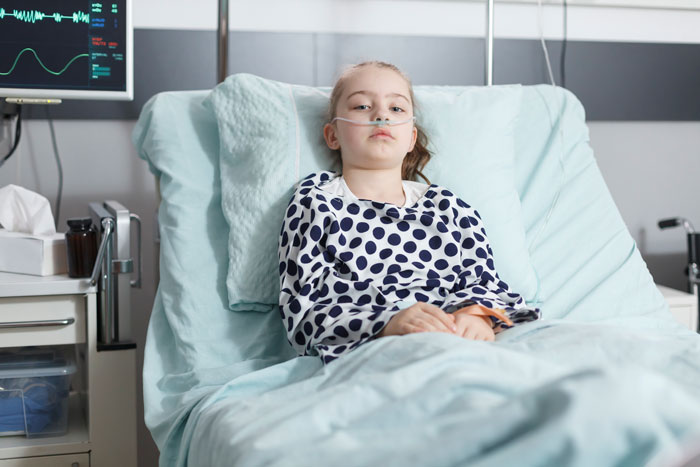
(606, 377)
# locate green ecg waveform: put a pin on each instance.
(32, 16)
(40, 63)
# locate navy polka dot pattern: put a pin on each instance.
(345, 264)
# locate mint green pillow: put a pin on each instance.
(271, 137)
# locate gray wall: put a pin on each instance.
(653, 171)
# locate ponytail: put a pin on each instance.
(415, 161)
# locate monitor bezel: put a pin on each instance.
(126, 95)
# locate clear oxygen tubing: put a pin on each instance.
(544, 46)
(378, 123)
(558, 112)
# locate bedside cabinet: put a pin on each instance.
(52, 311)
(683, 306)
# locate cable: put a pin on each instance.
(562, 58)
(555, 117)
(18, 134)
(544, 46)
(58, 164)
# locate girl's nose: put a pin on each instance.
(381, 113)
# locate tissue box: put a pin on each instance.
(39, 255)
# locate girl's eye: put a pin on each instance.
(397, 109)
(362, 105)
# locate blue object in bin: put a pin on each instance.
(33, 391)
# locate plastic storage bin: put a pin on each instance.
(34, 389)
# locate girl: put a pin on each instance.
(372, 252)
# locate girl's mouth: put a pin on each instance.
(382, 134)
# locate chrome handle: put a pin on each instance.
(106, 290)
(35, 324)
(676, 221)
(137, 219)
(107, 225)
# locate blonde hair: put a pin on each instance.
(415, 161)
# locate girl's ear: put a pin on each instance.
(413, 139)
(330, 136)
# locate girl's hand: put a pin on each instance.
(473, 327)
(420, 317)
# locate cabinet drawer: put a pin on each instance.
(69, 460)
(48, 320)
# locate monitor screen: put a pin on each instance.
(72, 49)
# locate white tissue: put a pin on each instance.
(22, 210)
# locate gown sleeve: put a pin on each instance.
(326, 310)
(478, 282)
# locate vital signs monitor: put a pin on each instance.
(72, 49)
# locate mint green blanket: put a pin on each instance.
(555, 394)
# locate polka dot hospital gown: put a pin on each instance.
(346, 264)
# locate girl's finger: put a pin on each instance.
(429, 306)
(424, 326)
(411, 329)
(445, 318)
(430, 326)
(438, 324)
(470, 334)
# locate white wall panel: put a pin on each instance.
(588, 20)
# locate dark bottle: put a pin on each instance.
(81, 247)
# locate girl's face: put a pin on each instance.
(370, 94)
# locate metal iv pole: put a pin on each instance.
(488, 65)
(222, 42)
